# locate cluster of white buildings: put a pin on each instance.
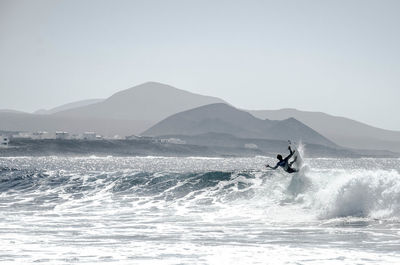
(90, 136)
(156, 140)
(42, 135)
(172, 141)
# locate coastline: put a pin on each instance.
(59, 147)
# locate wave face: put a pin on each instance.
(62, 208)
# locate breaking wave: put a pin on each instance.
(315, 193)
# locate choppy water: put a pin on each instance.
(158, 210)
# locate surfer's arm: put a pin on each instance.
(290, 150)
(291, 153)
(275, 167)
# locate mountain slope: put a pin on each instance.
(11, 111)
(150, 101)
(127, 112)
(343, 131)
(68, 106)
(222, 118)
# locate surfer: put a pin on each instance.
(284, 163)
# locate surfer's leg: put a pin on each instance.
(294, 160)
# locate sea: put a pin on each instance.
(198, 210)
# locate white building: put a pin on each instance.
(173, 141)
(22, 135)
(40, 135)
(250, 146)
(62, 135)
(75, 136)
(4, 140)
(89, 136)
(116, 137)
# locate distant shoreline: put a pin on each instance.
(126, 148)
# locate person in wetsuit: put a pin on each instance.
(284, 163)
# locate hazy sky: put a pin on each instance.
(338, 57)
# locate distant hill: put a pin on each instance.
(11, 111)
(125, 113)
(134, 110)
(68, 106)
(222, 118)
(343, 131)
(150, 101)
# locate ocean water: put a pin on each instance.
(160, 210)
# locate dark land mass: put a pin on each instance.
(222, 118)
(341, 130)
(157, 109)
(273, 147)
(34, 122)
(210, 145)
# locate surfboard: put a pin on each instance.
(298, 164)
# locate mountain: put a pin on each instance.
(134, 110)
(68, 106)
(125, 113)
(343, 131)
(222, 118)
(150, 101)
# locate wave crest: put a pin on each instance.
(325, 194)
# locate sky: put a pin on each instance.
(337, 57)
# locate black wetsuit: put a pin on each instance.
(285, 164)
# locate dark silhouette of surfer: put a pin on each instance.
(284, 163)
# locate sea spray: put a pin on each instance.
(184, 210)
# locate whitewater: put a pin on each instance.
(198, 210)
